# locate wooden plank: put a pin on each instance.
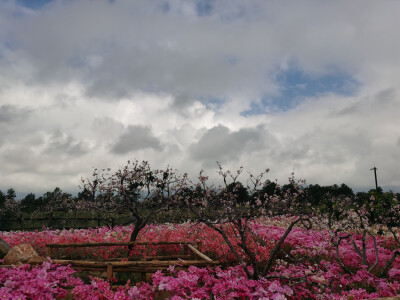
(77, 245)
(148, 270)
(100, 270)
(48, 251)
(157, 263)
(126, 264)
(199, 246)
(162, 257)
(110, 244)
(153, 269)
(141, 270)
(156, 257)
(199, 254)
(109, 271)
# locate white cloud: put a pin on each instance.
(88, 84)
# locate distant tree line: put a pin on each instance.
(52, 205)
(131, 191)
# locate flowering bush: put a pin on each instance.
(50, 281)
(304, 253)
(47, 281)
(219, 284)
(317, 275)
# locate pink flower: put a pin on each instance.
(278, 297)
(119, 295)
(276, 287)
(394, 273)
(171, 269)
(28, 289)
(9, 284)
(134, 292)
(5, 293)
(42, 273)
(18, 296)
(109, 294)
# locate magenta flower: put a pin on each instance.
(5, 293)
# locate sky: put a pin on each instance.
(310, 87)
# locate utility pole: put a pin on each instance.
(376, 180)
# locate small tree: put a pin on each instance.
(28, 204)
(358, 220)
(10, 195)
(9, 209)
(219, 208)
(53, 204)
(135, 190)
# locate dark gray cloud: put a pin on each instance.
(106, 128)
(347, 111)
(20, 159)
(387, 96)
(379, 101)
(182, 102)
(212, 49)
(134, 138)
(62, 144)
(11, 114)
(221, 144)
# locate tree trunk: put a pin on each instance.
(136, 230)
(4, 248)
(139, 224)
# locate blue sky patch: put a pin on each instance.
(295, 85)
(37, 4)
(34, 4)
(204, 7)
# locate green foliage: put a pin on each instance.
(2, 199)
(320, 195)
(238, 191)
(10, 195)
(29, 203)
(381, 207)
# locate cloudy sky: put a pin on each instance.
(306, 86)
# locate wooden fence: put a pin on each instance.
(191, 256)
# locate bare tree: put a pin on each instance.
(135, 190)
(219, 208)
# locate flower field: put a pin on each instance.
(307, 266)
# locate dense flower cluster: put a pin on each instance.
(318, 276)
(47, 281)
(212, 243)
